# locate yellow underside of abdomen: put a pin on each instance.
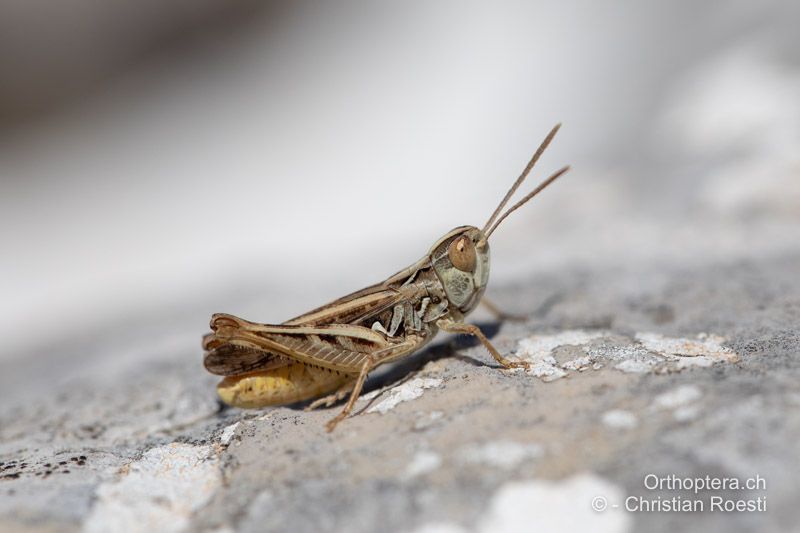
(288, 384)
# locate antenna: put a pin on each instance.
(527, 197)
(521, 178)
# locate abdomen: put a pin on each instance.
(294, 382)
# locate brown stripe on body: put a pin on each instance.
(347, 311)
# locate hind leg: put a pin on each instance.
(359, 383)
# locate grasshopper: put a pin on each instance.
(330, 351)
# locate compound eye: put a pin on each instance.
(462, 254)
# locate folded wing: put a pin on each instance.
(336, 336)
(252, 346)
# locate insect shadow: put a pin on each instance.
(406, 369)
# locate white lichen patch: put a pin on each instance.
(227, 434)
(687, 413)
(501, 454)
(643, 354)
(546, 370)
(635, 366)
(700, 361)
(539, 347)
(405, 392)
(159, 492)
(580, 364)
(708, 346)
(620, 419)
(678, 397)
(422, 463)
(683, 401)
(538, 350)
(558, 506)
(625, 355)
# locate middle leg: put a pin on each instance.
(471, 329)
(331, 399)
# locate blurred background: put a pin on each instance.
(160, 161)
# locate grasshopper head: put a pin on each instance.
(461, 257)
(461, 261)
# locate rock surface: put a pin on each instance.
(661, 285)
(691, 372)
